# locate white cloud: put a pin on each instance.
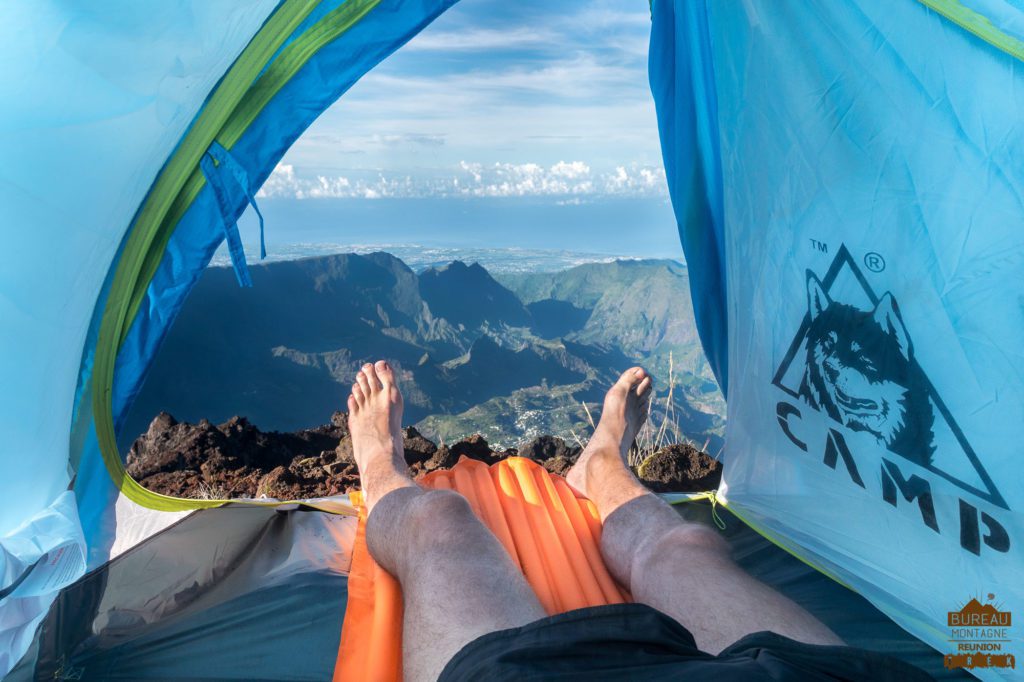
(282, 182)
(528, 179)
(479, 39)
(407, 139)
(568, 181)
(581, 77)
(615, 20)
(636, 180)
(285, 183)
(576, 169)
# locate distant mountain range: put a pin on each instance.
(419, 257)
(510, 357)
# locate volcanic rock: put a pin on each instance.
(552, 452)
(474, 447)
(680, 468)
(417, 448)
(237, 460)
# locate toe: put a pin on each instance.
(364, 385)
(358, 395)
(644, 386)
(353, 404)
(384, 373)
(631, 376)
(371, 379)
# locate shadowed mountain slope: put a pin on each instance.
(471, 356)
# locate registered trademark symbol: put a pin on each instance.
(874, 262)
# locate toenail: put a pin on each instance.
(638, 371)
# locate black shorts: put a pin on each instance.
(636, 642)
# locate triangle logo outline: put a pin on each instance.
(827, 397)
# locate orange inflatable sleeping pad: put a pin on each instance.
(552, 533)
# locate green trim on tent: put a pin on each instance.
(233, 106)
(977, 24)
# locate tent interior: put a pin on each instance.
(780, 126)
(259, 594)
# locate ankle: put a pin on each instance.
(605, 466)
(387, 531)
(611, 431)
(377, 481)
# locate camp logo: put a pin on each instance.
(860, 370)
(980, 632)
(852, 360)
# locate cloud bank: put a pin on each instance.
(570, 182)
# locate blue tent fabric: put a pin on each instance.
(99, 98)
(684, 94)
(84, 131)
(873, 200)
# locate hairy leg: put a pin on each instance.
(682, 569)
(458, 583)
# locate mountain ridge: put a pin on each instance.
(470, 354)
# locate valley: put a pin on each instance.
(512, 356)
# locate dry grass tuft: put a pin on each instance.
(205, 491)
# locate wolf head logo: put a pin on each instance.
(861, 372)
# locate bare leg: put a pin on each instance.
(458, 583)
(682, 569)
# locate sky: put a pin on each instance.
(514, 124)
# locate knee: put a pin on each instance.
(696, 537)
(409, 522)
(682, 546)
(439, 504)
(438, 518)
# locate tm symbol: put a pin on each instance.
(819, 246)
(874, 262)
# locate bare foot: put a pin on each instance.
(375, 422)
(624, 412)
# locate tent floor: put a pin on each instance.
(247, 593)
